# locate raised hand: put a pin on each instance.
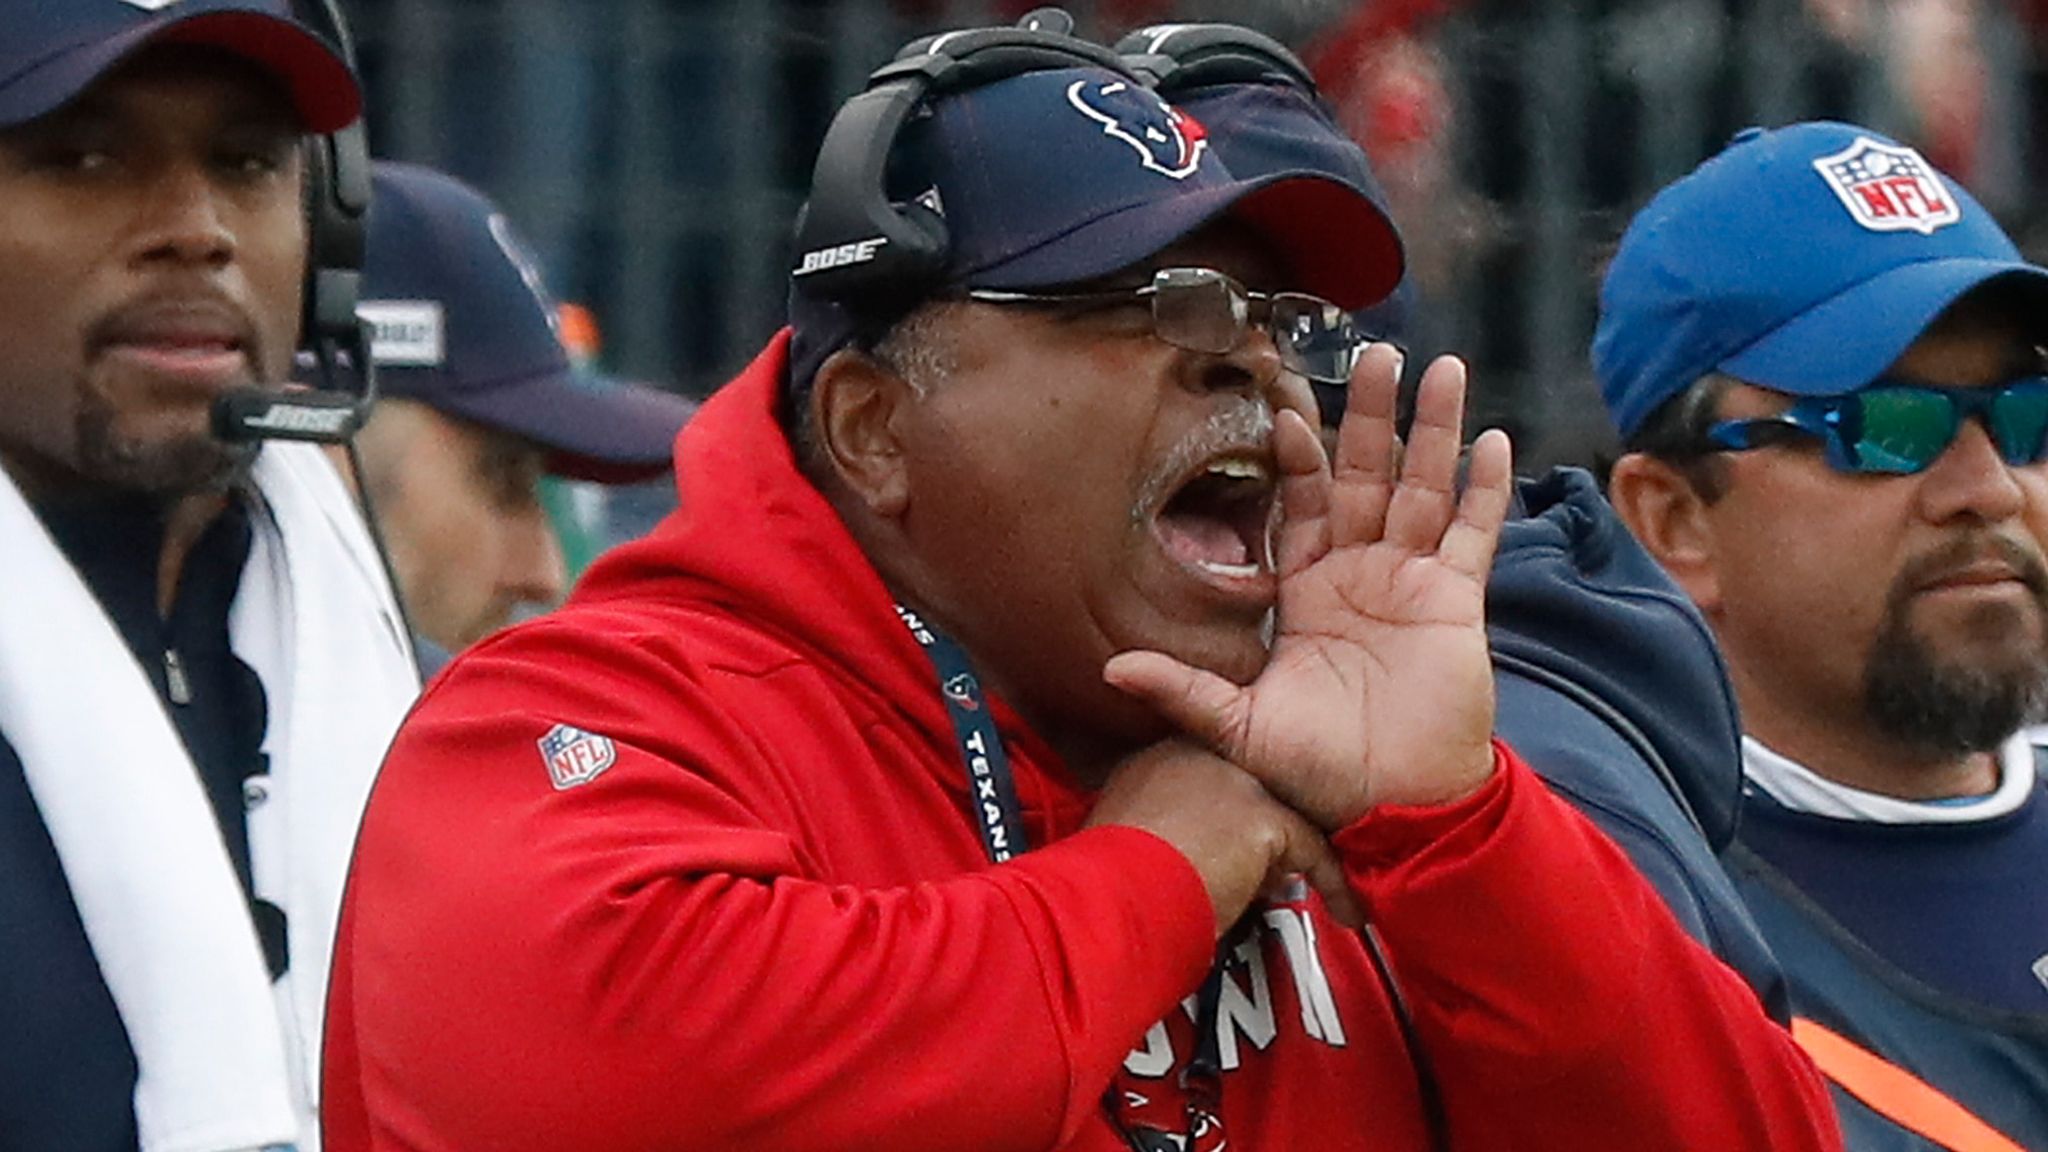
(1379, 689)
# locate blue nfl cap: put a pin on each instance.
(1066, 175)
(459, 321)
(1804, 259)
(53, 50)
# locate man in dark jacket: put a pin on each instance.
(200, 659)
(1826, 359)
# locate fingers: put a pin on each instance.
(1469, 542)
(1203, 705)
(1426, 495)
(1309, 853)
(1304, 495)
(1363, 472)
(1291, 392)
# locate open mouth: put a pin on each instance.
(1219, 522)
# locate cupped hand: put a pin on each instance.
(1379, 689)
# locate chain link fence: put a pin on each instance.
(655, 151)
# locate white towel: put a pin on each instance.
(225, 1060)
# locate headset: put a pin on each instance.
(1177, 58)
(337, 194)
(856, 248)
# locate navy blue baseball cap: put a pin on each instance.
(1066, 175)
(1261, 128)
(1804, 259)
(460, 322)
(53, 50)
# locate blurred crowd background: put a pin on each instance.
(655, 151)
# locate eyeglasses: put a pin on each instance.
(1896, 427)
(1204, 310)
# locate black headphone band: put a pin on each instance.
(1179, 57)
(854, 246)
(337, 200)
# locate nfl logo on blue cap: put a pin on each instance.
(1888, 188)
(1802, 259)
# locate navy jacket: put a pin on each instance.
(1990, 1060)
(1611, 686)
(1579, 614)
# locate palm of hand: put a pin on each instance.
(1379, 688)
(1372, 640)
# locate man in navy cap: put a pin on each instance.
(1001, 745)
(1827, 362)
(478, 402)
(200, 660)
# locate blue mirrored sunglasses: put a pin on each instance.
(1895, 427)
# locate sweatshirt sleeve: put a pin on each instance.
(639, 961)
(1557, 1001)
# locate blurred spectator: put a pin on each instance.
(480, 401)
(1934, 63)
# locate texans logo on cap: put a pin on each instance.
(1167, 140)
(1889, 188)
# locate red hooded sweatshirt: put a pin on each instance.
(689, 864)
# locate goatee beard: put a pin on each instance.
(1959, 706)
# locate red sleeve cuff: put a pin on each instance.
(1396, 834)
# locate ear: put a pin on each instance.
(858, 406)
(1664, 511)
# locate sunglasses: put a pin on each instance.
(1204, 310)
(1899, 428)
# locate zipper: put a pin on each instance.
(175, 681)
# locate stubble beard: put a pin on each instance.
(182, 465)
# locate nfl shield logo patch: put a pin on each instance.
(1888, 188)
(574, 756)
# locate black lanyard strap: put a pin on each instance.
(992, 792)
(993, 800)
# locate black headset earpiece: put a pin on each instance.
(856, 248)
(337, 195)
(1179, 57)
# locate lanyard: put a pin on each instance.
(999, 819)
(1000, 822)
(993, 793)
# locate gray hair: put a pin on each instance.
(918, 349)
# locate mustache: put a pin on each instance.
(1246, 426)
(1972, 549)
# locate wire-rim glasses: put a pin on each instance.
(1205, 310)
